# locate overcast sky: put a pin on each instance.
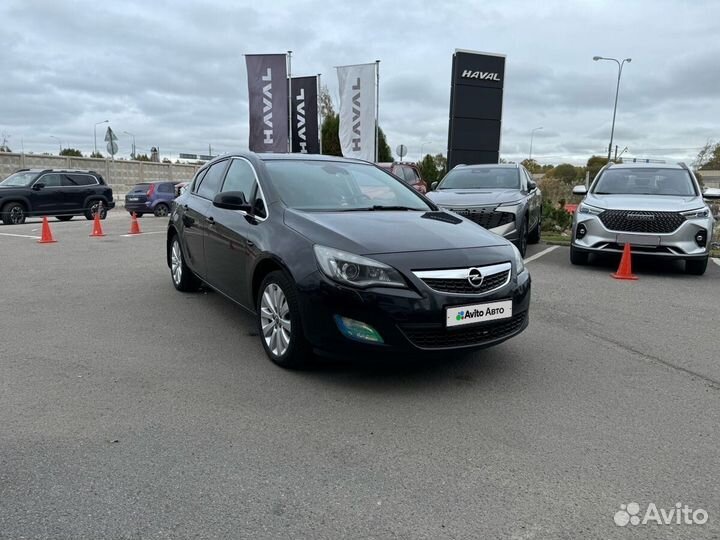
(173, 73)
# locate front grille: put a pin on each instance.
(485, 216)
(462, 286)
(439, 337)
(640, 221)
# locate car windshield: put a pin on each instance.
(19, 179)
(481, 178)
(327, 186)
(619, 181)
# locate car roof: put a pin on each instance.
(290, 157)
(647, 165)
(87, 171)
(486, 166)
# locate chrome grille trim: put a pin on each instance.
(461, 275)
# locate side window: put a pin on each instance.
(78, 180)
(165, 188)
(240, 177)
(51, 180)
(210, 184)
(198, 179)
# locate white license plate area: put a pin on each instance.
(638, 239)
(132, 198)
(477, 313)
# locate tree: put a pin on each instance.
(428, 169)
(531, 165)
(142, 157)
(594, 164)
(97, 155)
(329, 133)
(384, 152)
(326, 104)
(440, 165)
(72, 152)
(708, 158)
(566, 173)
(5, 148)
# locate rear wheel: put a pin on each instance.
(279, 321)
(577, 257)
(182, 277)
(95, 207)
(13, 213)
(161, 210)
(64, 218)
(696, 267)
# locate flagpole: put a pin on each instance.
(377, 109)
(289, 56)
(319, 89)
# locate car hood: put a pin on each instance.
(660, 203)
(474, 197)
(376, 232)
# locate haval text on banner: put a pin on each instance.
(304, 118)
(357, 110)
(268, 101)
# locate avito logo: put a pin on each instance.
(479, 313)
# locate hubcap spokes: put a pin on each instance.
(176, 262)
(16, 215)
(275, 319)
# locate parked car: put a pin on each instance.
(339, 256)
(62, 193)
(151, 197)
(408, 173)
(657, 208)
(502, 198)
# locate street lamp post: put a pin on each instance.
(133, 143)
(532, 134)
(95, 132)
(59, 143)
(617, 91)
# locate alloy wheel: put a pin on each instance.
(275, 319)
(176, 262)
(17, 215)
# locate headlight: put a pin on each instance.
(519, 264)
(699, 213)
(587, 209)
(508, 207)
(355, 270)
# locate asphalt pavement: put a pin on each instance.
(129, 410)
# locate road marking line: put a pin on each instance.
(715, 260)
(538, 255)
(149, 232)
(20, 235)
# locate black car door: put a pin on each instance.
(228, 243)
(76, 189)
(47, 197)
(196, 215)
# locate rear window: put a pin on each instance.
(79, 180)
(141, 187)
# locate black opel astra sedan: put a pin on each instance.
(338, 256)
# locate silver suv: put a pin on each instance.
(657, 208)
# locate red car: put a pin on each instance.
(408, 173)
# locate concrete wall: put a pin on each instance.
(120, 174)
(711, 178)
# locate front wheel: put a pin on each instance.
(95, 207)
(522, 240)
(13, 214)
(579, 258)
(696, 267)
(279, 321)
(535, 234)
(161, 210)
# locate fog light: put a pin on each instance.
(701, 237)
(580, 232)
(357, 330)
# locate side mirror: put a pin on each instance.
(580, 190)
(38, 186)
(711, 193)
(532, 186)
(232, 200)
(433, 186)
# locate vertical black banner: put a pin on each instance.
(304, 119)
(268, 100)
(476, 98)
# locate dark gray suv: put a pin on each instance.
(502, 198)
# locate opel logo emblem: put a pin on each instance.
(475, 278)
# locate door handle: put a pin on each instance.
(250, 243)
(184, 206)
(210, 220)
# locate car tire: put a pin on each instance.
(64, 218)
(535, 234)
(182, 277)
(577, 257)
(696, 267)
(93, 207)
(522, 240)
(279, 324)
(161, 210)
(13, 213)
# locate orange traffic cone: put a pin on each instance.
(134, 225)
(625, 269)
(97, 226)
(47, 235)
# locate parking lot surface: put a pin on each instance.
(129, 410)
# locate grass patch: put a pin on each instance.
(715, 253)
(555, 239)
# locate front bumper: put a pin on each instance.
(409, 320)
(679, 244)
